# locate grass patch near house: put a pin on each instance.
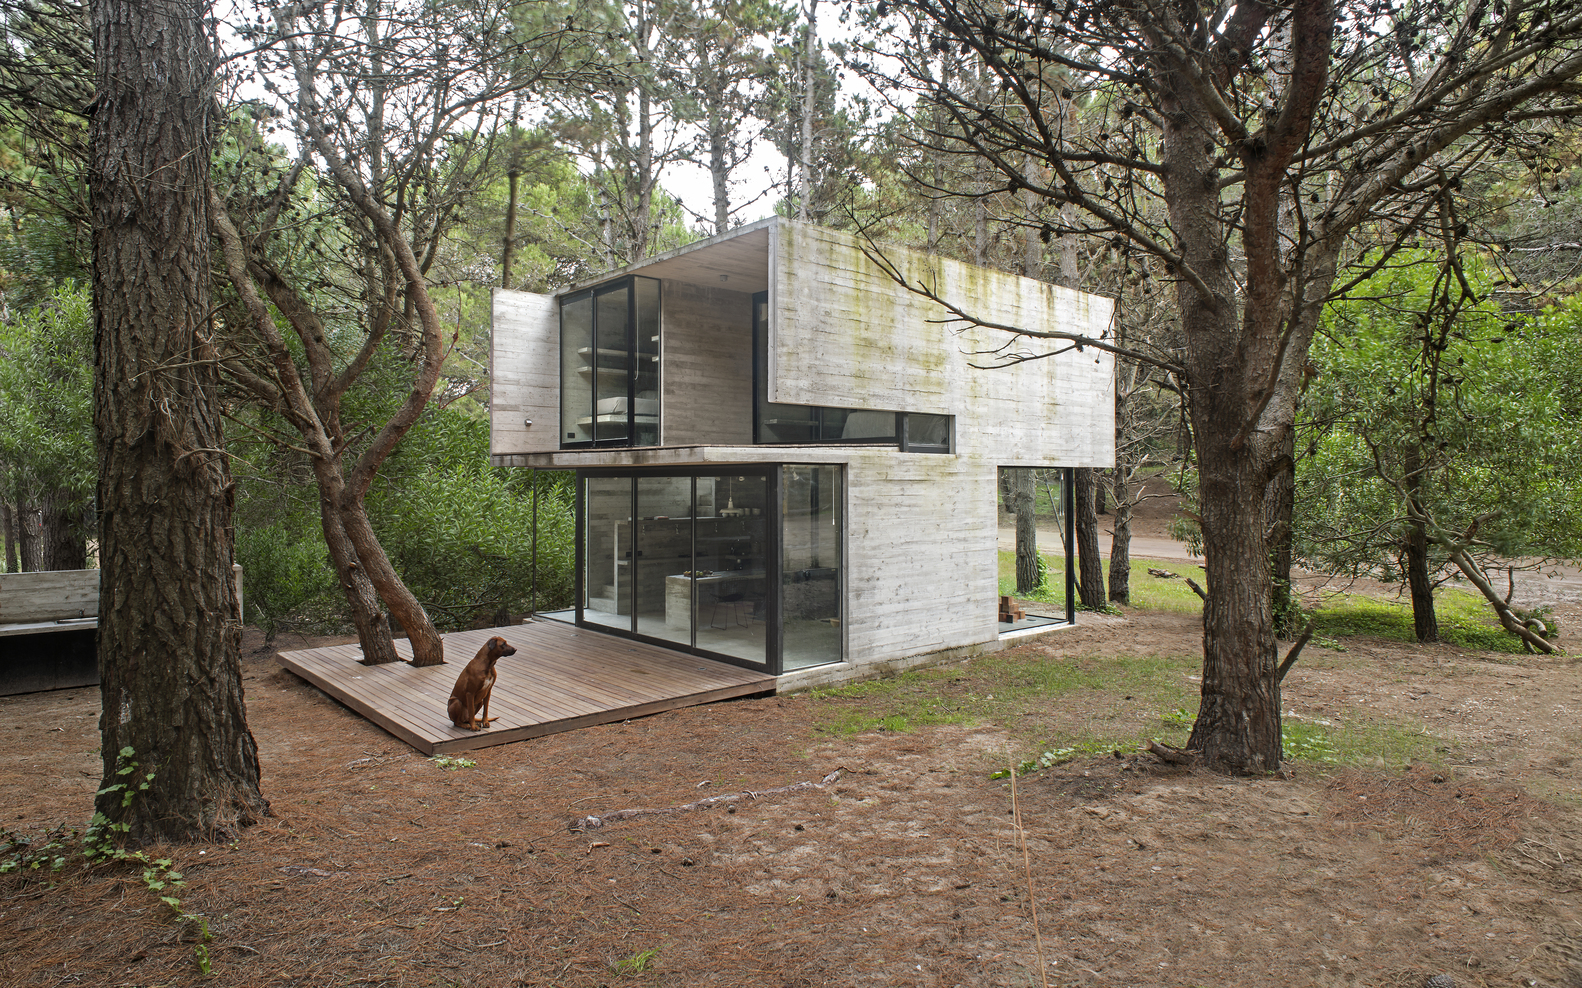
(1056, 707)
(1092, 704)
(1148, 592)
(1465, 619)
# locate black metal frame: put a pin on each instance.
(774, 633)
(633, 360)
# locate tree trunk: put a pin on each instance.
(1425, 622)
(719, 133)
(362, 599)
(1508, 618)
(809, 108)
(8, 523)
(427, 647)
(1090, 566)
(1029, 574)
(169, 638)
(63, 541)
(1279, 510)
(1121, 548)
(29, 541)
(1238, 723)
(1240, 401)
(509, 247)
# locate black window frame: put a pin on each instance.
(817, 414)
(634, 357)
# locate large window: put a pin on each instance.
(814, 424)
(609, 365)
(810, 583)
(737, 563)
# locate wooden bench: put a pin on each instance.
(49, 626)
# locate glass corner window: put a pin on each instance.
(609, 365)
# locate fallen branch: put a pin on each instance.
(1027, 869)
(1508, 619)
(1296, 650)
(585, 823)
(1175, 756)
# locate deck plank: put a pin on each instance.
(561, 678)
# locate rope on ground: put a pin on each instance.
(582, 824)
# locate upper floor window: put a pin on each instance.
(774, 422)
(609, 365)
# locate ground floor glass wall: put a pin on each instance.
(1037, 561)
(810, 543)
(743, 564)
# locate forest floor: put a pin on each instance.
(1436, 834)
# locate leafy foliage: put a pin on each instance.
(461, 532)
(458, 531)
(46, 398)
(1473, 414)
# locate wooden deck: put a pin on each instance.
(560, 679)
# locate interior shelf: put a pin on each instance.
(617, 418)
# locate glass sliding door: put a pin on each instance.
(609, 365)
(810, 570)
(731, 567)
(607, 579)
(684, 558)
(664, 559)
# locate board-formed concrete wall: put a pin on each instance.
(524, 373)
(843, 332)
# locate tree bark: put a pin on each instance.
(1238, 723)
(29, 544)
(508, 249)
(1029, 574)
(1425, 622)
(1090, 566)
(1121, 547)
(717, 131)
(1279, 511)
(1508, 619)
(8, 523)
(809, 107)
(169, 637)
(362, 599)
(428, 648)
(63, 541)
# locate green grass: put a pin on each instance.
(1092, 704)
(1058, 707)
(1147, 592)
(1464, 619)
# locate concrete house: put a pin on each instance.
(785, 460)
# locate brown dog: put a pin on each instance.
(469, 701)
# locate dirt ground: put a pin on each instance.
(380, 867)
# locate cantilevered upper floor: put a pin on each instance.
(787, 334)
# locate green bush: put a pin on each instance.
(462, 539)
(282, 572)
